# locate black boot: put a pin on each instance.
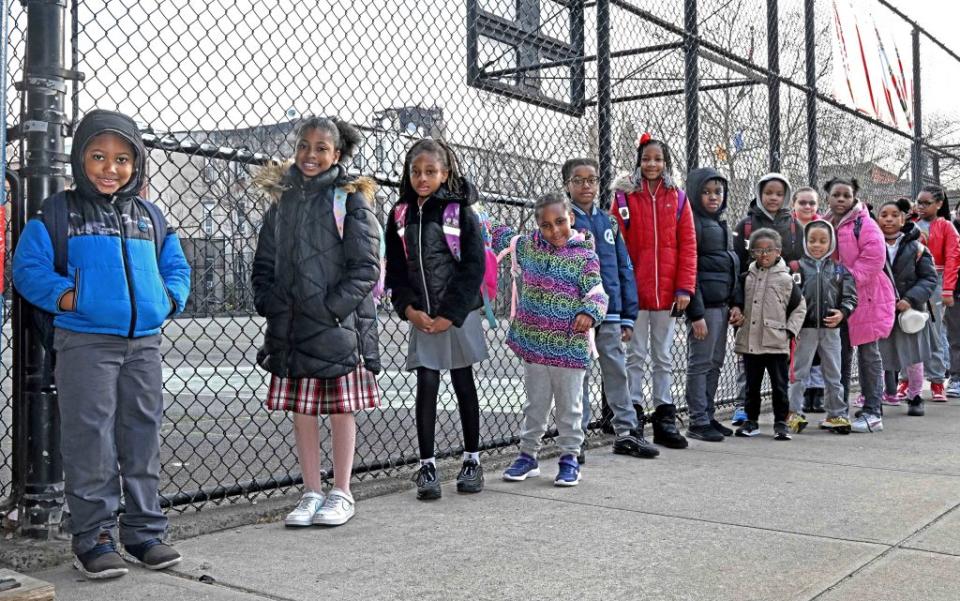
(665, 430)
(816, 401)
(808, 400)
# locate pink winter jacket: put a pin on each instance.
(864, 258)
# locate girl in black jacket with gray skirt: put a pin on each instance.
(314, 273)
(438, 293)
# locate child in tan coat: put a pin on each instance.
(772, 309)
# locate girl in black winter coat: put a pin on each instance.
(315, 268)
(438, 293)
(915, 279)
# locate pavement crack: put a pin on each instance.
(899, 545)
(228, 586)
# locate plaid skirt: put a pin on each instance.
(355, 391)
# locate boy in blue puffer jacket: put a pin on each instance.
(616, 272)
(108, 309)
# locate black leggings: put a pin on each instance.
(428, 388)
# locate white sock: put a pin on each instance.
(432, 461)
(474, 456)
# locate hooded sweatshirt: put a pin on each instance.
(782, 222)
(826, 285)
(717, 264)
(121, 287)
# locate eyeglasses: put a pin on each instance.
(583, 181)
(807, 203)
(762, 252)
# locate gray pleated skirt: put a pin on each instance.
(453, 349)
(900, 350)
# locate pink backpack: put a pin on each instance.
(451, 233)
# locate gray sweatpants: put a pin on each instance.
(935, 368)
(704, 362)
(111, 406)
(653, 336)
(613, 372)
(809, 342)
(547, 385)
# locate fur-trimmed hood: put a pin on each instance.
(273, 179)
(628, 183)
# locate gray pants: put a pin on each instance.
(653, 335)
(870, 366)
(545, 386)
(827, 342)
(613, 371)
(704, 362)
(935, 368)
(111, 407)
(952, 320)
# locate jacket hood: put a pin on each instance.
(910, 232)
(773, 175)
(780, 265)
(276, 177)
(858, 209)
(628, 183)
(823, 225)
(696, 180)
(98, 122)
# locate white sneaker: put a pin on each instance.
(336, 510)
(867, 422)
(953, 389)
(308, 506)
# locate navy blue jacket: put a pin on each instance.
(120, 285)
(616, 270)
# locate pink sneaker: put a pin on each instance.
(891, 399)
(859, 402)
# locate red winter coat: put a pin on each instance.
(661, 241)
(944, 245)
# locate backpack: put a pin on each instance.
(55, 215)
(624, 210)
(339, 214)
(451, 234)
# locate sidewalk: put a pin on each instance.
(825, 517)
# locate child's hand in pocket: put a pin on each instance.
(834, 319)
(582, 323)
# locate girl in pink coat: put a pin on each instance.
(861, 249)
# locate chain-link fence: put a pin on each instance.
(516, 86)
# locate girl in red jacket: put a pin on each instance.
(933, 210)
(657, 225)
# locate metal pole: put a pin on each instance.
(604, 104)
(916, 154)
(41, 505)
(773, 82)
(691, 83)
(809, 27)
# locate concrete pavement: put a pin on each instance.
(823, 517)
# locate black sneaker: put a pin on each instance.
(706, 433)
(721, 428)
(470, 478)
(102, 561)
(630, 444)
(781, 431)
(665, 430)
(582, 455)
(915, 406)
(816, 401)
(748, 429)
(152, 554)
(428, 485)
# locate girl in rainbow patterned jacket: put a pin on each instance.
(561, 300)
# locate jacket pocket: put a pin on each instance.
(774, 333)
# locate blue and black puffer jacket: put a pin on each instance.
(122, 287)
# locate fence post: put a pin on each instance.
(916, 150)
(604, 104)
(691, 84)
(44, 171)
(773, 83)
(809, 29)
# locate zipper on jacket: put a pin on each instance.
(126, 268)
(819, 318)
(76, 289)
(423, 276)
(295, 250)
(656, 243)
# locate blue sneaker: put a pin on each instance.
(524, 466)
(569, 473)
(739, 417)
